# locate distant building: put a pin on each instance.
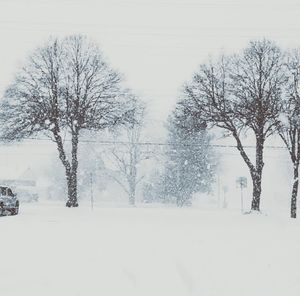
(23, 182)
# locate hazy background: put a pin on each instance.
(157, 45)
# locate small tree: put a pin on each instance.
(65, 87)
(241, 93)
(128, 155)
(289, 124)
(190, 161)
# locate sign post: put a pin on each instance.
(225, 190)
(242, 183)
(92, 195)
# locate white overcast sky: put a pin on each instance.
(157, 44)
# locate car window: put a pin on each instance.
(9, 192)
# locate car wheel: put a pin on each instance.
(1, 209)
(15, 211)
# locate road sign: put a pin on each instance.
(241, 182)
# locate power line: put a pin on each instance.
(108, 142)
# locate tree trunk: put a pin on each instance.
(132, 198)
(69, 169)
(72, 180)
(72, 190)
(132, 192)
(256, 179)
(257, 173)
(132, 174)
(295, 192)
(179, 201)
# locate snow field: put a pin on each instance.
(52, 250)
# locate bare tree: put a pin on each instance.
(289, 123)
(241, 94)
(126, 156)
(65, 87)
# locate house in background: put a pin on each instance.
(22, 181)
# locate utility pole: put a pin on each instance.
(219, 189)
(92, 195)
(225, 190)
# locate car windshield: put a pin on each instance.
(6, 191)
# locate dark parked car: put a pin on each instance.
(8, 201)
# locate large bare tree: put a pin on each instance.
(289, 123)
(65, 87)
(241, 94)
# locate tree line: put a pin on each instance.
(66, 88)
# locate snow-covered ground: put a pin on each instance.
(51, 250)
